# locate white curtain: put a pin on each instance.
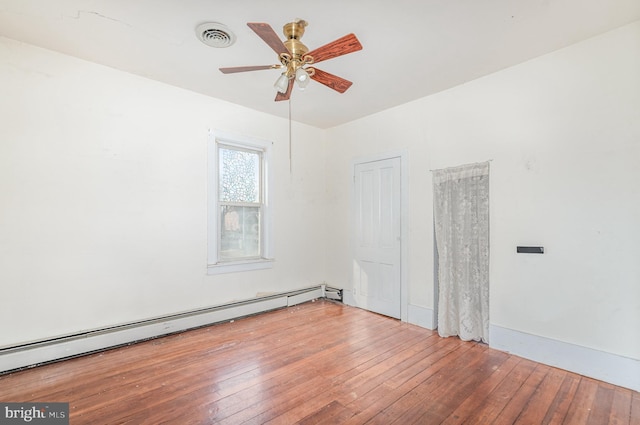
(461, 214)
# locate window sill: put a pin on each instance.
(240, 266)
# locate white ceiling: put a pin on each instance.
(411, 48)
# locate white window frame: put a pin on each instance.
(214, 266)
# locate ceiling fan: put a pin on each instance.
(296, 60)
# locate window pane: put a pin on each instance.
(239, 176)
(240, 232)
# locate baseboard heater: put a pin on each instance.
(39, 352)
(333, 293)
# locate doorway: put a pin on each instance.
(377, 276)
(461, 230)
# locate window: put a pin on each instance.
(239, 219)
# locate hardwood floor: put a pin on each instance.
(318, 363)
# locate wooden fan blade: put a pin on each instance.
(287, 95)
(332, 81)
(342, 46)
(234, 69)
(269, 36)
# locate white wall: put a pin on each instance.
(103, 198)
(103, 193)
(563, 132)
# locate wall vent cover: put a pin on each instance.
(215, 34)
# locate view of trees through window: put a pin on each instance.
(239, 199)
(239, 175)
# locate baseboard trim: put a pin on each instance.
(45, 351)
(608, 367)
(421, 316)
(347, 298)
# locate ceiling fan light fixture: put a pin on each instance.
(302, 78)
(282, 83)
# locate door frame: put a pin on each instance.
(404, 204)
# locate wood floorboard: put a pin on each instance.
(502, 394)
(445, 398)
(601, 409)
(318, 363)
(519, 400)
(559, 407)
(465, 410)
(620, 405)
(379, 370)
(332, 413)
(370, 404)
(539, 403)
(635, 409)
(580, 408)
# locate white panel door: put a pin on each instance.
(376, 263)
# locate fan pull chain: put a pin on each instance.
(290, 156)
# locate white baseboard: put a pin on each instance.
(612, 368)
(416, 315)
(73, 345)
(347, 298)
(421, 316)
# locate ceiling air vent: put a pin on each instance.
(215, 34)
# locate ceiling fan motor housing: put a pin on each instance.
(294, 31)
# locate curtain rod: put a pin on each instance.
(462, 165)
